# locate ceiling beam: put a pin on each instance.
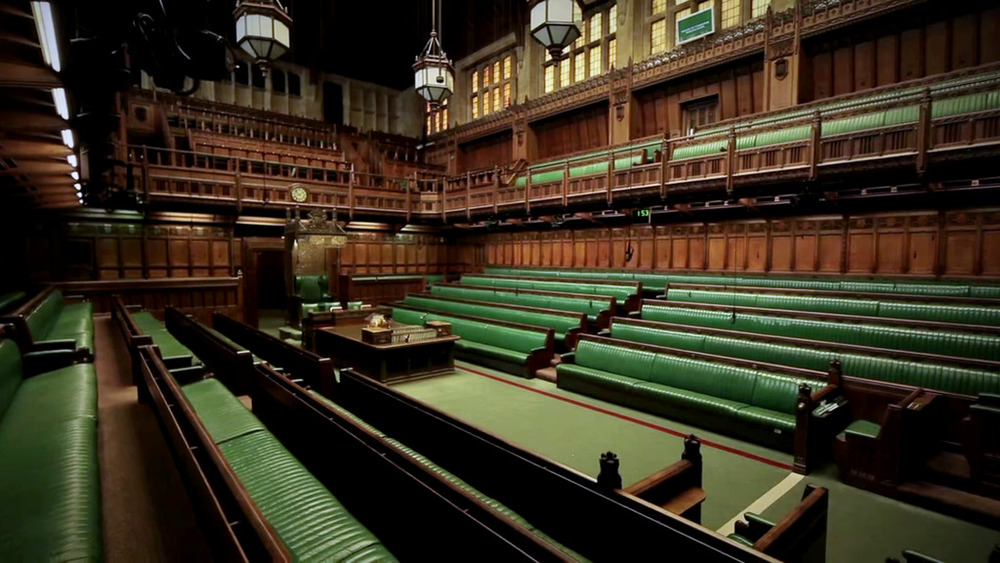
(34, 150)
(33, 167)
(31, 121)
(20, 75)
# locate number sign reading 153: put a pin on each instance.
(643, 214)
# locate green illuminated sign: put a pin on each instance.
(642, 214)
(695, 26)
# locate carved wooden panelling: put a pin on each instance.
(918, 44)
(885, 244)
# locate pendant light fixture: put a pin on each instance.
(554, 24)
(434, 75)
(263, 29)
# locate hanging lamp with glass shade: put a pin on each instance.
(433, 72)
(554, 24)
(263, 29)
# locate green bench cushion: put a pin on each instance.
(48, 440)
(311, 523)
(864, 428)
(223, 415)
(492, 351)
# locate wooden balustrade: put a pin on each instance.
(231, 179)
(195, 296)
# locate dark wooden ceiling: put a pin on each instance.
(33, 167)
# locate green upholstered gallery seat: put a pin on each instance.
(50, 496)
(311, 522)
(53, 319)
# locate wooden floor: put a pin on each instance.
(146, 513)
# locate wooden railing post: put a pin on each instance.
(496, 190)
(239, 186)
(924, 131)
(730, 160)
(145, 173)
(815, 140)
(565, 184)
(610, 174)
(350, 194)
(527, 193)
(664, 156)
(468, 195)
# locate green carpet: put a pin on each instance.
(863, 526)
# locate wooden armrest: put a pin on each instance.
(823, 393)
(798, 517)
(660, 478)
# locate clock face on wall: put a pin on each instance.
(299, 194)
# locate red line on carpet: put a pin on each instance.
(664, 429)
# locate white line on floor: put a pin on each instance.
(761, 504)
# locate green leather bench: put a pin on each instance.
(654, 281)
(520, 350)
(47, 322)
(597, 308)
(752, 404)
(313, 291)
(942, 377)
(311, 523)
(949, 343)
(963, 314)
(50, 498)
(172, 352)
(626, 296)
(563, 325)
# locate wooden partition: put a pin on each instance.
(195, 296)
(964, 242)
(378, 289)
